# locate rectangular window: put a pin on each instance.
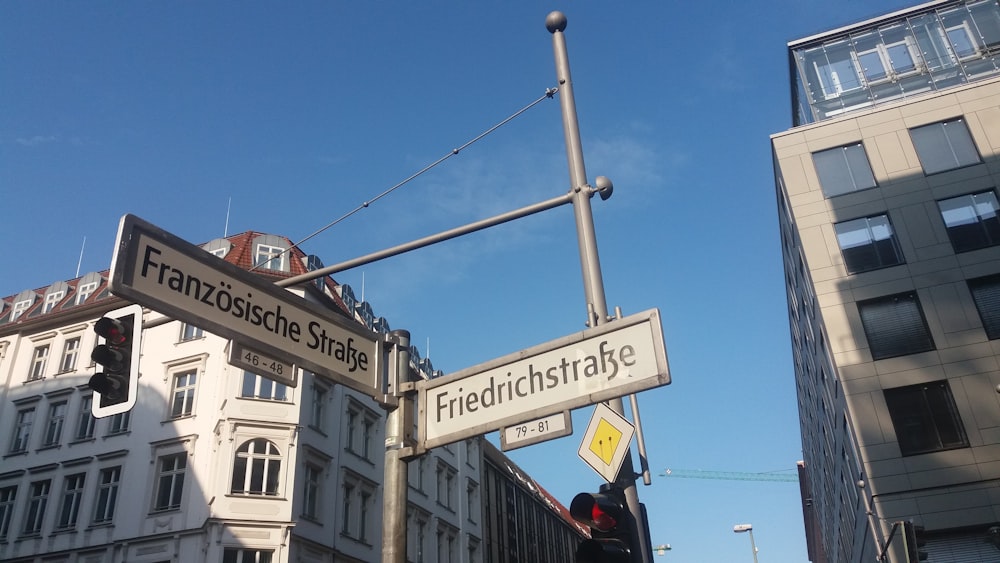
(366, 505)
(184, 387)
(944, 146)
(107, 494)
(19, 308)
(85, 420)
(38, 361)
(51, 300)
(311, 492)
(347, 516)
(986, 294)
(971, 220)
(37, 500)
(22, 430)
(868, 244)
(54, 427)
(259, 387)
(270, 257)
(71, 351)
(119, 423)
(318, 414)
(170, 481)
(84, 291)
(895, 326)
(925, 418)
(69, 508)
(190, 332)
(240, 555)
(8, 496)
(843, 170)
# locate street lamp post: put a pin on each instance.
(740, 528)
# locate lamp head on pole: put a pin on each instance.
(742, 528)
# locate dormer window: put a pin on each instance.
(84, 291)
(271, 252)
(218, 247)
(19, 308)
(51, 300)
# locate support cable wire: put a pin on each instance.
(549, 93)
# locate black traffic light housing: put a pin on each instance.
(614, 536)
(913, 540)
(116, 382)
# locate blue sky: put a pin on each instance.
(298, 112)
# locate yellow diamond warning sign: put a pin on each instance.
(606, 442)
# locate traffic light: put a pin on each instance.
(117, 354)
(913, 540)
(612, 531)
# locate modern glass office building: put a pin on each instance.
(887, 196)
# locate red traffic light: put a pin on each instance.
(112, 330)
(599, 511)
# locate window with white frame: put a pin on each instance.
(944, 146)
(8, 498)
(271, 257)
(70, 354)
(183, 394)
(38, 499)
(170, 481)
(39, 358)
(191, 332)
(69, 505)
(843, 169)
(107, 494)
(84, 291)
(972, 220)
(22, 430)
(259, 387)
(55, 423)
(51, 300)
(119, 423)
(244, 555)
(19, 308)
(85, 421)
(257, 468)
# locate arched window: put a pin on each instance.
(256, 469)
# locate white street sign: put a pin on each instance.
(535, 431)
(614, 359)
(606, 442)
(167, 274)
(262, 364)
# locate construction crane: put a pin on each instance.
(730, 475)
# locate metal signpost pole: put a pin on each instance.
(398, 426)
(593, 283)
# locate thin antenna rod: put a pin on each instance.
(362, 287)
(225, 232)
(80, 261)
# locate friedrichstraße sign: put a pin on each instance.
(172, 276)
(614, 359)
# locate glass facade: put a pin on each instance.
(948, 44)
